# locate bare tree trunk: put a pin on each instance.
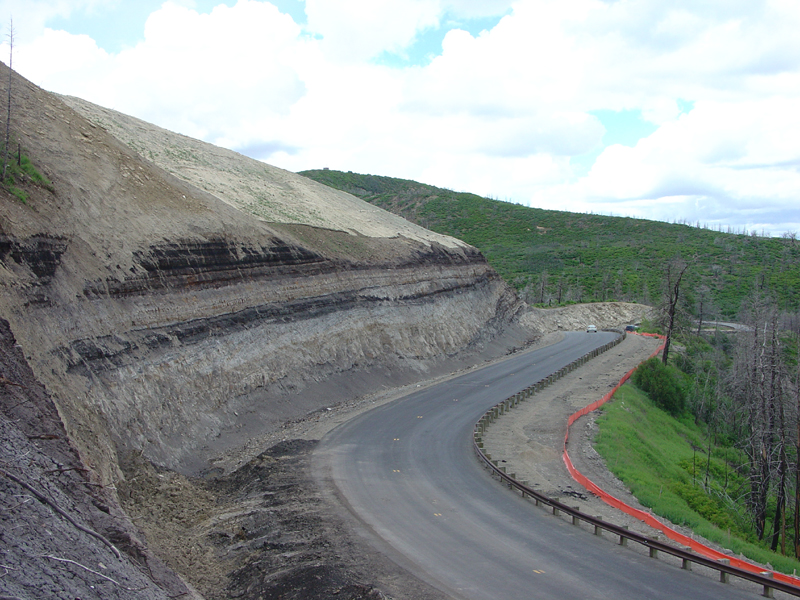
(8, 116)
(783, 461)
(797, 490)
(542, 286)
(675, 271)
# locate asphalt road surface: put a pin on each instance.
(407, 471)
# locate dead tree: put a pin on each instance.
(673, 275)
(8, 113)
(702, 301)
(757, 387)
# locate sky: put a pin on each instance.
(675, 111)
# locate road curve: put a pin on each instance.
(406, 470)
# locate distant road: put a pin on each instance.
(735, 326)
(408, 473)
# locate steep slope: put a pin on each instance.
(179, 319)
(269, 193)
(171, 328)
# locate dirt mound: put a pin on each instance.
(604, 315)
(171, 328)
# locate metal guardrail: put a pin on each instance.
(655, 546)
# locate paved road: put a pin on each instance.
(408, 473)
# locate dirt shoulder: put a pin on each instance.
(529, 442)
(531, 439)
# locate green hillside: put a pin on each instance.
(559, 257)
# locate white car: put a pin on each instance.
(591, 329)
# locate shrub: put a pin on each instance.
(661, 384)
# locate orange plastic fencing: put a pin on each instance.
(646, 517)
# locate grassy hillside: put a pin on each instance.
(673, 467)
(560, 257)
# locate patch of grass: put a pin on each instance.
(667, 465)
(20, 169)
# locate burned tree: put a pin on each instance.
(8, 112)
(673, 275)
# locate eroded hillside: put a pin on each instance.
(173, 329)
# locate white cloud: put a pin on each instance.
(358, 30)
(31, 16)
(498, 113)
(718, 160)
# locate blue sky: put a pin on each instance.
(671, 111)
(118, 25)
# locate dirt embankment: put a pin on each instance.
(173, 329)
(63, 534)
(164, 331)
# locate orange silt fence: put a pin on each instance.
(646, 517)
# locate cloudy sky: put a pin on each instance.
(679, 110)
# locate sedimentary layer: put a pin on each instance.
(168, 322)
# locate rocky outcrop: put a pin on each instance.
(603, 315)
(168, 322)
(64, 536)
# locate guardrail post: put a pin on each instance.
(723, 576)
(623, 541)
(575, 518)
(597, 529)
(556, 512)
(653, 552)
(686, 564)
(767, 593)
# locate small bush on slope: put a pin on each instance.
(661, 383)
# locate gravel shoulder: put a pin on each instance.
(531, 439)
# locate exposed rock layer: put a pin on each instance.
(179, 301)
(168, 322)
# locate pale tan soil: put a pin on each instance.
(269, 193)
(552, 321)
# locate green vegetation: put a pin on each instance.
(656, 380)
(20, 170)
(558, 257)
(673, 467)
